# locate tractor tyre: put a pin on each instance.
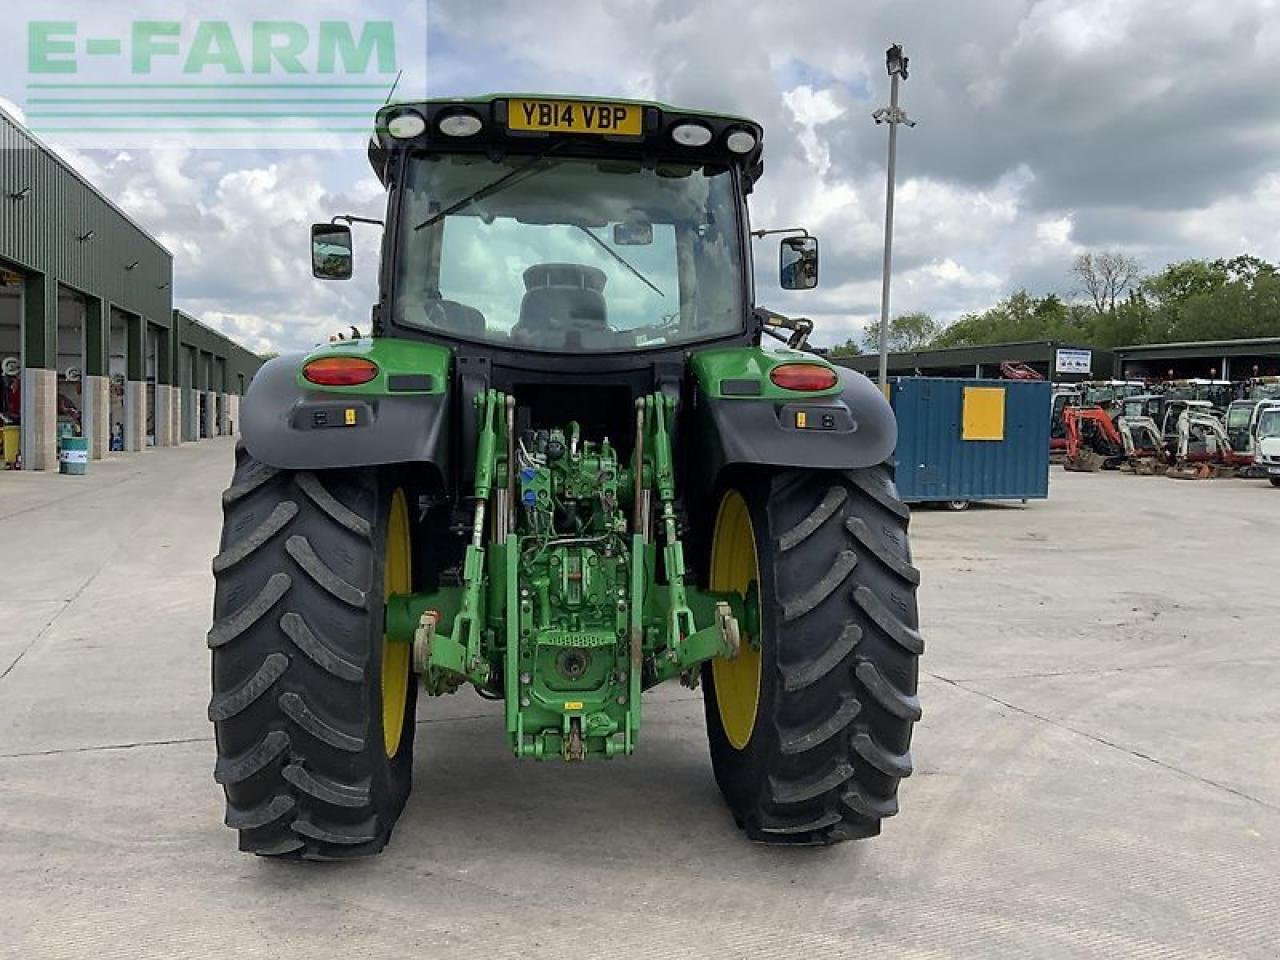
(810, 725)
(312, 708)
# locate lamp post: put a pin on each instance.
(896, 64)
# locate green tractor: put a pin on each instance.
(562, 469)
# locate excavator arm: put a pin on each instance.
(1210, 429)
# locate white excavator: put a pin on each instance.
(1144, 449)
(1196, 429)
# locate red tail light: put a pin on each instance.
(340, 371)
(804, 377)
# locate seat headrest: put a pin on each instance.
(575, 275)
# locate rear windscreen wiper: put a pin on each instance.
(617, 256)
(528, 169)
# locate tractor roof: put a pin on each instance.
(605, 127)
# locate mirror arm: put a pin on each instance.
(771, 322)
(349, 219)
(799, 231)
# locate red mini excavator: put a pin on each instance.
(1093, 442)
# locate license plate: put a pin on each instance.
(1274, 471)
(574, 116)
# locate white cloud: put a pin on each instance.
(1055, 232)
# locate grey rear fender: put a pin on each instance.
(290, 427)
(853, 429)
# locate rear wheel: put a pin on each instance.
(810, 726)
(312, 708)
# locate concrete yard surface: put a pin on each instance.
(1097, 771)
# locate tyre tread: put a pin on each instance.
(807, 602)
(229, 628)
(234, 769)
(224, 706)
(314, 488)
(296, 709)
(276, 521)
(320, 652)
(304, 554)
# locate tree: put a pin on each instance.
(1019, 316)
(1189, 300)
(907, 331)
(850, 348)
(1180, 281)
(1244, 268)
(1105, 277)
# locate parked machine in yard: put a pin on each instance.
(1017, 370)
(1109, 394)
(1064, 395)
(1239, 422)
(1217, 393)
(1201, 448)
(563, 469)
(1150, 405)
(1266, 442)
(1144, 448)
(1093, 442)
(1264, 388)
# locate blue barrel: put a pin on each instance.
(73, 456)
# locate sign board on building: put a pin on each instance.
(1073, 361)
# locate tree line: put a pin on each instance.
(1113, 304)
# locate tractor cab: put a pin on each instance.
(1149, 405)
(574, 253)
(568, 228)
(1264, 388)
(1217, 393)
(1175, 408)
(1239, 424)
(1109, 394)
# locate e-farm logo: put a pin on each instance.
(274, 45)
(216, 81)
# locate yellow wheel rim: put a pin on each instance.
(397, 577)
(734, 567)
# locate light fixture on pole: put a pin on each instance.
(896, 64)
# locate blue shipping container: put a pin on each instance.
(972, 439)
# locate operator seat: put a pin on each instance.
(426, 306)
(454, 317)
(560, 298)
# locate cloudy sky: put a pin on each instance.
(1046, 127)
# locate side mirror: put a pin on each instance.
(632, 233)
(798, 263)
(331, 251)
